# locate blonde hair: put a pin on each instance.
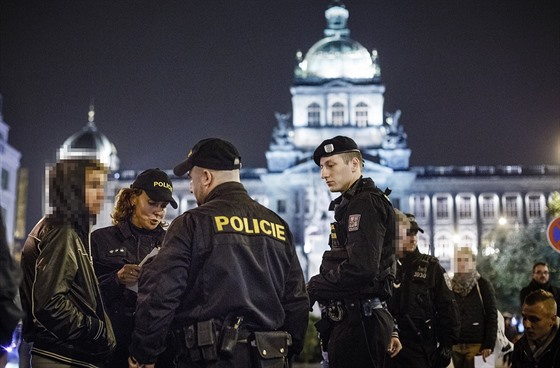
(348, 156)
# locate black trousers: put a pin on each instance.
(241, 359)
(359, 341)
(413, 354)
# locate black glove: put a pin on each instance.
(441, 357)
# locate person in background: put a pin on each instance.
(540, 280)
(422, 303)
(118, 250)
(357, 273)
(227, 280)
(477, 310)
(9, 281)
(64, 314)
(540, 344)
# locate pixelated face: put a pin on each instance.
(95, 190)
(464, 262)
(338, 175)
(405, 239)
(537, 320)
(148, 213)
(541, 274)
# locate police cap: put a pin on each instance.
(333, 146)
(210, 153)
(413, 223)
(156, 184)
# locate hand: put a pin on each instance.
(507, 359)
(395, 347)
(485, 353)
(128, 274)
(441, 357)
(132, 363)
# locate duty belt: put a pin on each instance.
(337, 310)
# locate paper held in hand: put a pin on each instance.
(153, 253)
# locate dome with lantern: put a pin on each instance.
(337, 55)
(90, 143)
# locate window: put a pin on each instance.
(281, 206)
(511, 206)
(419, 205)
(337, 114)
(535, 206)
(5, 179)
(488, 206)
(361, 114)
(465, 206)
(313, 115)
(442, 207)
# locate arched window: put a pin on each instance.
(314, 115)
(361, 114)
(337, 114)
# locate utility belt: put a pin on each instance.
(209, 341)
(337, 310)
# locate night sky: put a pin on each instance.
(478, 82)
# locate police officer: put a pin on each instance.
(356, 274)
(423, 304)
(227, 276)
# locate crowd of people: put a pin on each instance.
(222, 286)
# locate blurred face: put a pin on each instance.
(406, 238)
(147, 214)
(537, 320)
(464, 261)
(95, 190)
(339, 176)
(540, 274)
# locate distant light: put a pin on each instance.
(502, 221)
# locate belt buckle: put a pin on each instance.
(335, 311)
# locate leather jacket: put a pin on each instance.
(65, 318)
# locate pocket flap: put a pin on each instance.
(273, 344)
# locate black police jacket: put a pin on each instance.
(230, 256)
(112, 248)
(423, 304)
(65, 317)
(365, 229)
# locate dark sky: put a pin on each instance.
(478, 81)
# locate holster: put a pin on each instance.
(270, 349)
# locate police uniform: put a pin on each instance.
(351, 284)
(228, 258)
(425, 310)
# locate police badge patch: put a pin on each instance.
(354, 222)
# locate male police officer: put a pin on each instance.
(227, 275)
(422, 304)
(356, 327)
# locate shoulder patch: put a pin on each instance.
(354, 222)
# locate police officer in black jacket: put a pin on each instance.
(423, 304)
(227, 276)
(356, 273)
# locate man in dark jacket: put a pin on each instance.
(65, 318)
(422, 304)
(541, 280)
(540, 345)
(356, 275)
(227, 276)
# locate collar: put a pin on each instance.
(225, 189)
(354, 189)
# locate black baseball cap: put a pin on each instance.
(210, 153)
(413, 223)
(333, 146)
(156, 184)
